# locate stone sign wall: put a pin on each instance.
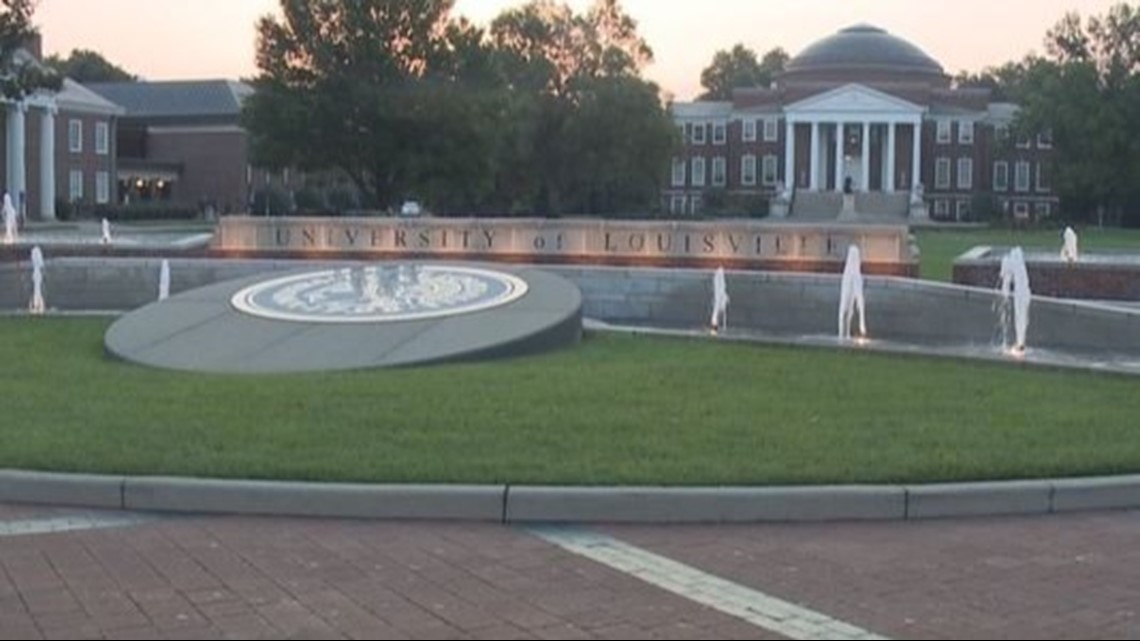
(813, 247)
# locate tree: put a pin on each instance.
(20, 75)
(1088, 94)
(375, 88)
(548, 46)
(739, 68)
(85, 66)
(546, 113)
(589, 135)
(1006, 82)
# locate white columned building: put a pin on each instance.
(844, 110)
(36, 172)
(16, 154)
(855, 105)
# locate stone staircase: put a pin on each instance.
(816, 205)
(877, 204)
(871, 206)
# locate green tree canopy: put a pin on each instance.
(84, 65)
(739, 68)
(364, 86)
(1087, 93)
(545, 113)
(591, 135)
(20, 74)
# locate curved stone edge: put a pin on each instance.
(565, 504)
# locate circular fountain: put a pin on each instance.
(351, 317)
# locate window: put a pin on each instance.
(699, 133)
(75, 136)
(719, 134)
(678, 172)
(1043, 210)
(748, 133)
(677, 205)
(965, 173)
(1021, 176)
(718, 171)
(942, 173)
(941, 208)
(698, 171)
(1022, 140)
(748, 170)
(680, 128)
(75, 185)
(102, 187)
(1042, 177)
(770, 169)
(1045, 139)
(1021, 210)
(102, 138)
(962, 210)
(966, 132)
(1001, 175)
(943, 134)
(698, 204)
(771, 133)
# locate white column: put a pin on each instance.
(47, 163)
(915, 158)
(839, 157)
(814, 159)
(17, 149)
(790, 155)
(865, 178)
(889, 177)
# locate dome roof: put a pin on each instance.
(863, 48)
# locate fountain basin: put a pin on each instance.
(1095, 276)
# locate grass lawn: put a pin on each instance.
(940, 247)
(615, 410)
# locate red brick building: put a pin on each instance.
(59, 147)
(867, 113)
(181, 142)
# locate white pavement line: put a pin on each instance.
(70, 523)
(755, 607)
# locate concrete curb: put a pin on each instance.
(703, 504)
(533, 504)
(451, 502)
(86, 490)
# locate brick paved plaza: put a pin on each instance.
(82, 574)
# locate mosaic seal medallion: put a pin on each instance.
(379, 293)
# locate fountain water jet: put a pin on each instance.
(1069, 249)
(164, 280)
(851, 295)
(11, 230)
(1015, 295)
(719, 320)
(36, 304)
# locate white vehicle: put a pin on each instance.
(411, 208)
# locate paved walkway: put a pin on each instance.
(81, 574)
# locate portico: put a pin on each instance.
(16, 153)
(853, 133)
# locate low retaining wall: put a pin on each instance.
(1094, 277)
(898, 309)
(738, 244)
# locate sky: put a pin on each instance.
(181, 39)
